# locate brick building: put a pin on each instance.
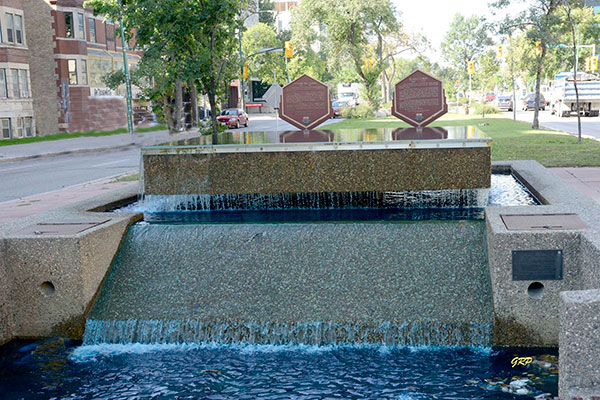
(53, 54)
(16, 103)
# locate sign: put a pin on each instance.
(254, 104)
(419, 133)
(536, 265)
(419, 99)
(305, 103)
(273, 96)
(306, 137)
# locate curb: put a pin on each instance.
(62, 153)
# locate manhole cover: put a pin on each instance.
(542, 222)
(60, 227)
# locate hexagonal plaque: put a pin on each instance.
(305, 103)
(419, 99)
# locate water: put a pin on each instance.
(505, 190)
(56, 369)
(330, 136)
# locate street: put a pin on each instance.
(590, 126)
(24, 178)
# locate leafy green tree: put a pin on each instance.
(184, 41)
(488, 71)
(266, 14)
(466, 40)
(542, 25)
(262, 36)
(345, 28)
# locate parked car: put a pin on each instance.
(233, 117)
(529, 102)
(504, 103)
(337, 107)
(489, 97)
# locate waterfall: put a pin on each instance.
(430, 333)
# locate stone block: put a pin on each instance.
(579, 359)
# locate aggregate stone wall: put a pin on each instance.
(6, 308)
(318, 171)
(579, 362)
(55, 277)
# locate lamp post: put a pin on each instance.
(127, 78)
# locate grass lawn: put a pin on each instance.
(60, 136)
(511, 140)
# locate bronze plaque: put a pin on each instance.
(305, 103)
(419, 99)
(537, 265)
(419, 133)
(542, 222)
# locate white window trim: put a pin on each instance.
(14, 11)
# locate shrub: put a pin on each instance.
(478, 108)
(363, 110)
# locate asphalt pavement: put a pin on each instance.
(590, 126)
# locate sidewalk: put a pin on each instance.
(586, 180)
(49, 148)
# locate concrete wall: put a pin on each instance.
(42, 67)
(7, 320)
(317, 171)
(520, 318)
(579, 361)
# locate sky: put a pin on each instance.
(433, 17)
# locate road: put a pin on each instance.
(590, 126)
(39, 175)
(25, 178)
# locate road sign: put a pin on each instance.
(419, 99)
(305, 103)
(273, 95)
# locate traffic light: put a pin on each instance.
(538, 48)
(588, 63)
(594, 63)
(289, 50)
(470, 67)
(500, 51)
(368, 64)
(245, 75)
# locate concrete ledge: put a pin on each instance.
(47, 282)
(579, 360)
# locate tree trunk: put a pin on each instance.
(538, 78)
(179, 116)
(575, 75)
(194, 102)
(167, 110)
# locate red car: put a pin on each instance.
(233, 117)
(337, 107)
(490, 97)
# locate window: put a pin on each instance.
(19, 29)
(5, 126)
(19, 132)
(69, 25)
(16, 92)
(28, 122)
(9, 29)
(72, 72)
(0, 31)
(84, 75)
(3, 88)
(92, 25)
(80, 26)
(24, 83)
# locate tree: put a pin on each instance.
(465, 41)
(262, 36)
(266, 14)
(345, 28)
(192, 42)
(541, 24)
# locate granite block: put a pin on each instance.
(579, 358)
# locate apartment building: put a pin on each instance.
(16, 103)
(282, 8)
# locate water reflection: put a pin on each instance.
(337, 136)
(425, 133)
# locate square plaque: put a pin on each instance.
(536, 265)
